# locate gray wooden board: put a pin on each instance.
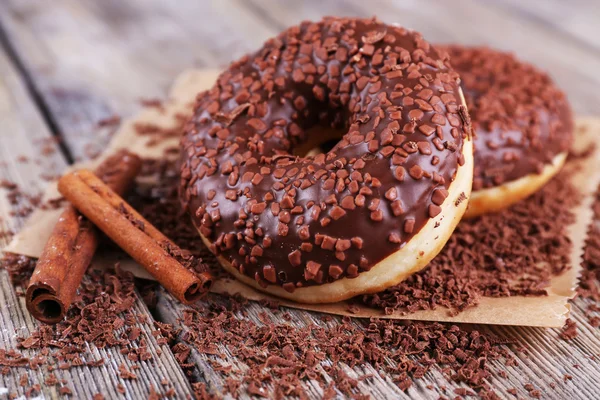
(24, 133)
(88, 60)
(577, 19)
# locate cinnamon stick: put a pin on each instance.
(134, 234)
(71, 246)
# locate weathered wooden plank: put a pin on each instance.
(147, 43)
(28, 152)
(576, 18)
(79, 53)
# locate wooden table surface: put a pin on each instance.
(66, 64)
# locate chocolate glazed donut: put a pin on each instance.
(376, 207)
(523, 126)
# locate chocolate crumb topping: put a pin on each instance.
(520, 118)
(399, 104)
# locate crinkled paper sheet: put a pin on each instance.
(542, 311)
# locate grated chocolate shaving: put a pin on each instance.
(281, 356)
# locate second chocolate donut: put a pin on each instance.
(523, 126)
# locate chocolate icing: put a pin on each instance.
(295, 221)
(521, 120)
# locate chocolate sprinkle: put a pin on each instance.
(103, 315)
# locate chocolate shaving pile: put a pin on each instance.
(281, 356)
(569, 330)
(102, 315)
(514, 252)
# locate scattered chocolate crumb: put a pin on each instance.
(533, 392)
(201, 392)
(22, 203)
(121, 388)
(124, 373)
(109, 121)
(103, 315)
(280, 356)
(158, 133)
(65, 391)
(153, 103)
(569, 331)
(6, 184)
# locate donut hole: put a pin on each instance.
(321, 140)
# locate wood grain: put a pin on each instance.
(88, 60)
(576, 19)
(79, 53)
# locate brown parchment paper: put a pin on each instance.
(542, 311)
